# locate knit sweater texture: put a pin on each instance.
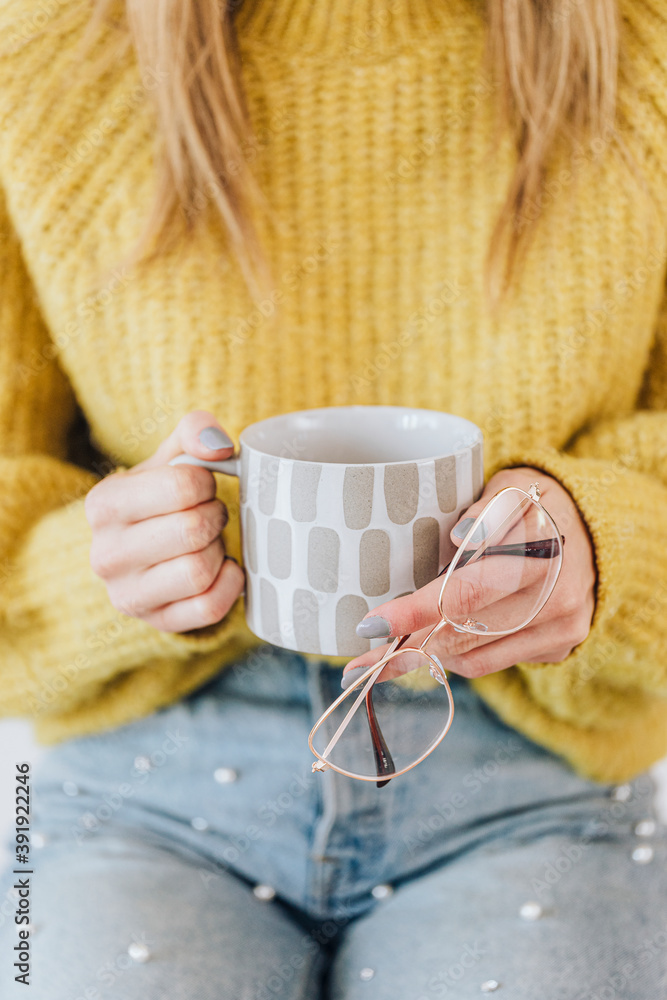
(374, 124)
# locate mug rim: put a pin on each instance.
(477, 436)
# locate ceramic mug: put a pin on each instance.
(343, 508)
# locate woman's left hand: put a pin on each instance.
(562, 624)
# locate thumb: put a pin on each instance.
(198, 433)
(514, 476)
(464, 524)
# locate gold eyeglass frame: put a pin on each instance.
(437, 671)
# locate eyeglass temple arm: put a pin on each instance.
(360, 697)
(547, 548)
(384, 762)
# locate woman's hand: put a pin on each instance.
(156, 534)
(561, 625)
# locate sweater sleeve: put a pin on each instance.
(604, 708)
(68, 658)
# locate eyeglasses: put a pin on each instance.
(500, 578)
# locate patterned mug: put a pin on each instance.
(342, 509)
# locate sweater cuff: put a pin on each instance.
(69, 647)
(610, 693)
(591, 484)
(626, 649)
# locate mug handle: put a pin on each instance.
(230, 466)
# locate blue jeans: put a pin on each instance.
(193, 855)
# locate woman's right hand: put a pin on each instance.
(156, 535)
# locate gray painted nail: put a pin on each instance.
(375, 627)
(425, 550)
(374, 562)
(477, 471)
(279, 548)
(305, 615)
(351, 676)
(303, 490)
(268, 483)
(323, 553)
(464, 526)
(268, 598)
(358, 496)
(214, 438)
(251, 538)
(349, 610)
(445, 483)
(401, 491)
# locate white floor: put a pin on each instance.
(17, 746)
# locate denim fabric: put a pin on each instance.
(453, 849)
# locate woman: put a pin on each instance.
(361, 208)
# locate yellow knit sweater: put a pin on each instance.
(374, 125)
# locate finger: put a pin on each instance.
(158, 539)
(495, 581)
(185, 438)
(445, 643)
(535, 644)
(552, 637)
(519, 477)
(204, 609)
(148, 494)
(174, 580)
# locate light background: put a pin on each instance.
(17, 745)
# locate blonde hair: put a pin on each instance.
(555, 63)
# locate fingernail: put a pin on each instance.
(214, 438)
(375, 627)
(464, 526)
(351, 676)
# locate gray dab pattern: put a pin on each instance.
(445, 483)
(349, 612)
(303, 491)
(358, 496)
(477, 470)
(426, 555)
(268, 600)
(374, 550)
(268, 484)
(323, 554)
(279, 546)
(251, 538)
(401, 491)
(306, 617)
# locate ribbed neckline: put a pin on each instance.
(354, 26)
